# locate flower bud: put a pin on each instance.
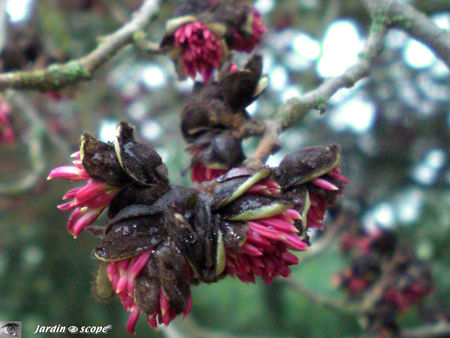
(311, 178)
(139, 161)
(100, 161)
(307, 164)
(133, 230)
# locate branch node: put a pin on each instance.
(141, 41)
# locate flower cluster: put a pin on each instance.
(117, 176)
(265, 251)
(247, 42)
(204, 31)
(201, 50)
(6, 131)
(245, 222)
(260, 222)
(311, 177)
(88, 201)
(378, 261)
(161, 238)
(128, 280)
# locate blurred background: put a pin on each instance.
(393, 129)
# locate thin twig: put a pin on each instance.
(384, 13)
(331, 235)
(363, 306)
(38, 131)
(58, 76)
(142, 42)
(294, 109)
(35, 152)
(35, 139)
(440, 329)
(22, 102)
(419, 26)
(376, 291)
(291, 112)
(315, 298)
(269, 143)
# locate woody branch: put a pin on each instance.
(385, 14)
(58, 76)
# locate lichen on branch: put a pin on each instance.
(293, 110)
(58, 76)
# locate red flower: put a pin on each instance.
(244, 43)
(201, 50)
(265, 251)
(88, 201)
(322, 198)
(204, 34)
(201, 173)
(404, 298)
(122, 275)
(6, 131)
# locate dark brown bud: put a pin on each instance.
(147, 288)
(100, 161)
(224, 151)
(234, 183)
(138, 160)
(181, 214)
(306, 164)
(220, 105)
(234, 234)
(241, 87)
(135, 194)
(235, 15)
(191, 225)
(133, 230)
(207, 111)
(384, 243)
(172, 273)
(251, 207)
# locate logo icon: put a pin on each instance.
(10, 329)
(72, 329)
